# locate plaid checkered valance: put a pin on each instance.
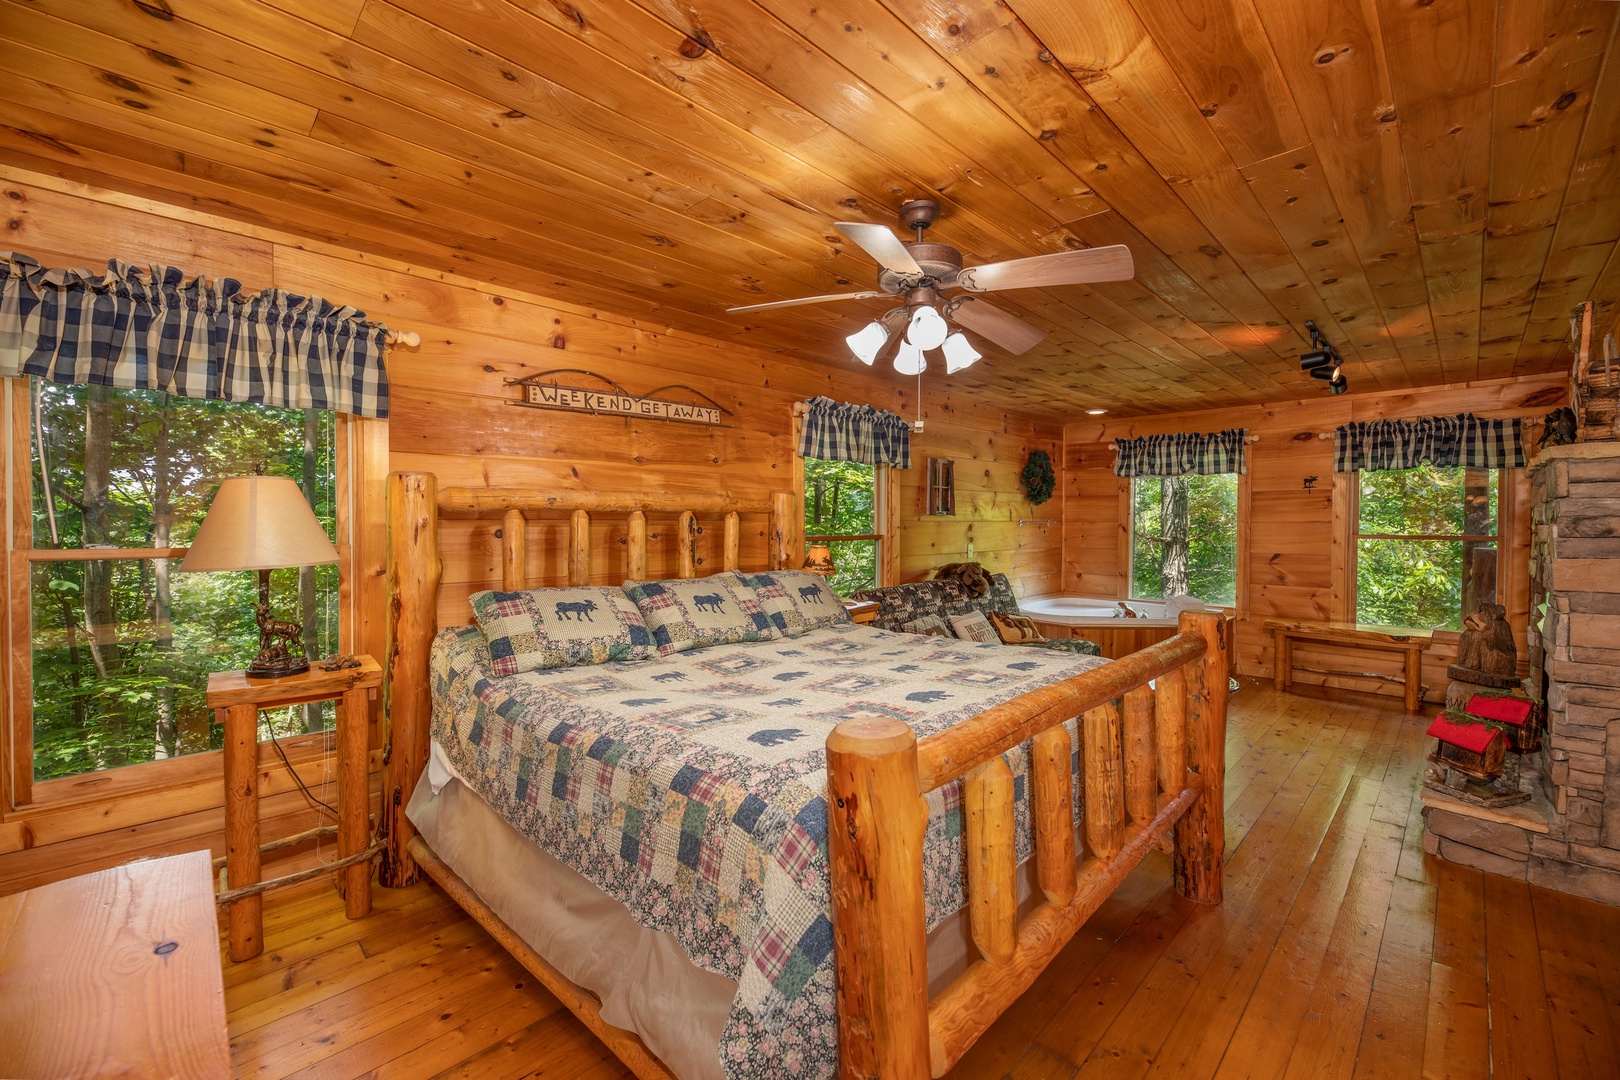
(1183, 452)
(841, 431)
(1445, 441)
(156, 329)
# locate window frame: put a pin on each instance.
(1348, 536)
(884, 511)
(1127, 543)
(354, 438)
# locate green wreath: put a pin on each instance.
(1039, 480)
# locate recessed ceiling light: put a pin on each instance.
(1095, 412)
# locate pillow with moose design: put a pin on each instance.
(537, 629)
(797, 601)
(694, 613)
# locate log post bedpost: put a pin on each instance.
(413, 588)
(1200, 847)
(875, 838)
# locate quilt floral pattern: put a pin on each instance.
(692, 790)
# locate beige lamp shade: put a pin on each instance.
(259, 523)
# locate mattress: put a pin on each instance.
(691, 792)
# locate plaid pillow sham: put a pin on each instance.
(797, 601)
(539, 629)
(694, 613)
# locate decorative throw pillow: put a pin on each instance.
(694, 613)
(974, 627)
(551, 628)
(932, 625)
(797, 601)
(1015, 629)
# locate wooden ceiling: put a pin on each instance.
(1434, 182)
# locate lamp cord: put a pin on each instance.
(275, 742)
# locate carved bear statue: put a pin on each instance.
(1486, 648)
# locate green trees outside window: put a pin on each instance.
(1184, 537)
(122, 646)
(1426, 545)
(841, 510)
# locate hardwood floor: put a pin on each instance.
(1341, 950)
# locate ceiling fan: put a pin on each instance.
(919, 271)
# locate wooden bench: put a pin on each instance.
(1356, 635)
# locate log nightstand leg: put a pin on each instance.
(353, 802)
(245, 916)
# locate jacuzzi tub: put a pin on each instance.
(1090, 611)
(1099, 620)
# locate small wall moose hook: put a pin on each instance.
(1310, 483)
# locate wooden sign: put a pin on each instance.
(542, 391)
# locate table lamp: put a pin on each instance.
(263, 523)
(818, 560)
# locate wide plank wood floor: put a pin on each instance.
(1341, 951)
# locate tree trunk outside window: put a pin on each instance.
(1173, 515)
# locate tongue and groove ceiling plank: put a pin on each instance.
(1433, 182)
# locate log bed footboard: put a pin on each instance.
(1161, 765)
(1152, 764)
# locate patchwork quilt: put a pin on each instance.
(693, 790)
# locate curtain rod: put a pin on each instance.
(1247, 440)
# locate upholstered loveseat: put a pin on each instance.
(902, 604)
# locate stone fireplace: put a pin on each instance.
(1568, 836)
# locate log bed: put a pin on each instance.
(1152, 762)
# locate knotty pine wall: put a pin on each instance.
(1288, 535)
(449, 416)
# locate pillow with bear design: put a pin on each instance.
(797, 601)
(538, 629)
(694, 613)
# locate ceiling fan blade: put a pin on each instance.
(808, 300)
(1009, 331)
(878, 242)
(1082, 267)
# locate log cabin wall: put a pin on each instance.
(1287, 535)
(449, 415)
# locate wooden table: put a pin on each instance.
(1357, 635)
(236, 701)
(861, 611)
(114, 973)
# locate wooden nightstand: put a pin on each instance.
(236, 700)
(861, 611)
(115, 973)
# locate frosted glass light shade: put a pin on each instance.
(959, 353)
(259, 523)
(910, 359)
(927, 329)
(868, 341)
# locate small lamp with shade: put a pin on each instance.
(263, 523)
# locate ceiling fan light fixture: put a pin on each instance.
(927, 330)
(910, 359)
(959, 353)
(868, 341)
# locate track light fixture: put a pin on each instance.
(1323, 362)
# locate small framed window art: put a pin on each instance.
(941, 492)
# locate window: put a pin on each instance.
(1426, 543)
(121, 644)
(842, 508)
(1184, 537)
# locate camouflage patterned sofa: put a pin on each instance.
(901, 604)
